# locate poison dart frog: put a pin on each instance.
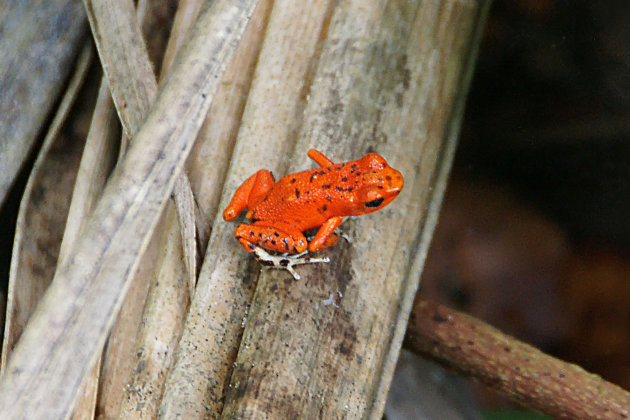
(318, 198)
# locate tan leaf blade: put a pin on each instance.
(123, 55)
(42, 214)
(72, 321)
(117, 27)
(198, 378)
(185, 204)
(126, 63)
(389, 80)
(37, 48)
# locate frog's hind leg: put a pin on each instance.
(271, 235)
(320, 158)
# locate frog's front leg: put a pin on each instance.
(325, 236)
(271, 235)
(250, 193)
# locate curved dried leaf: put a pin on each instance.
(38, 46)
(124, 58)
(186, 211)
(213, 326)
(119, 355)
(138, 380)
(187, 12)
(78, 308)
(96, 163)
(161, 327)
(42, 214)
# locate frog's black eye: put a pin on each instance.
(374, 203)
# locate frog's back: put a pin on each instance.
(305, 199)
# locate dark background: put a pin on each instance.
(534, 234)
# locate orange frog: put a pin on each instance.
(318, 198)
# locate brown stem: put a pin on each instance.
(525, 374)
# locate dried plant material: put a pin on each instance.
(392, 78)
(78, 308)
(210, 158)
(156, 19)
(145, 388)
(129, 387)
(37, 50)
(213, 327)
(86, 400)
(186, 211)
(120, 352)
(42, 215)
(133, 85)
(525, 374)
(96, 164)
(187, 12)
(119, 356)
(124, 58)
(97, 161)
(162, 323)
(139, 376)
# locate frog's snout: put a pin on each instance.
(394, 181)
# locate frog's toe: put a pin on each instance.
(286, 262)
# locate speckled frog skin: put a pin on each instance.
(318, 198)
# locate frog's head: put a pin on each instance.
(380, 183)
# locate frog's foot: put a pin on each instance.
(344, 235)
(286, 261)
(332, 239)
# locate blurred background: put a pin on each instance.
(534, 235)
